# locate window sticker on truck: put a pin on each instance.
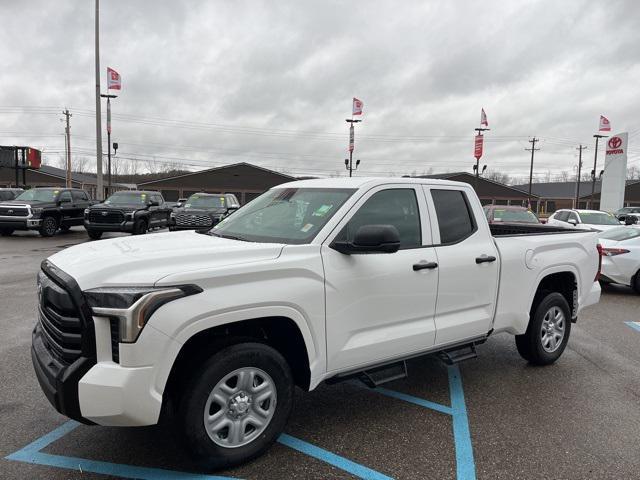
(322, 211)
(307, 227)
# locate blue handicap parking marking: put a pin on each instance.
(465, 466)
(634, 325)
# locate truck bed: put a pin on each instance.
(520, 229)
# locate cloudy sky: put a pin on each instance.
(207, 83)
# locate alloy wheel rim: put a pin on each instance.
(50, 226)
(240, 407)
(553, 329)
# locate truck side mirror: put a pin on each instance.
(371, 239)
(572, 221)
(630, 220)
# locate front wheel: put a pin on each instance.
(140, 227)
(6, 232)
(236, 405)
(94, 234)
(49, 226)
(548, 331)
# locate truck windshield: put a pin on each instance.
(284, 215)
(206, 201)
(512, 215)
(38, 195)
(127, 198)
(598, 218)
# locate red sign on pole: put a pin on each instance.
(477, 151)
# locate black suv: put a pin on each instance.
(44, 209)
(202, 211)
(129, 211)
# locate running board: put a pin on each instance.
(459, 354)
(378, 376)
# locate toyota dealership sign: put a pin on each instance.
(615, 172)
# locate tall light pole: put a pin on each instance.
(595, 165)
(533, 149)
(349, 162)
(99, 183)
(580, 149)
(108, 97)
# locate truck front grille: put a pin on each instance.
(13, 212)
(189, 220)
(60, 321)
(106, 216)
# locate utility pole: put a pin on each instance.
(348, 162)
(580, 148)
(593, 172)
(99, 187)
(533, 149)
(108, 97)
(67, 131)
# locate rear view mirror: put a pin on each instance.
(371, 239)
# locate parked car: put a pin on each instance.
(9, 193)
(129, 211)
(315, 280)
(584, 219)
(628, 215)
(202, 211)
(44, 209)
(509, 214)
(621, 256)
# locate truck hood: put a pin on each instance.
(145, 259)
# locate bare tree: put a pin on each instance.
(497, 176)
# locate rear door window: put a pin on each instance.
(455, 219)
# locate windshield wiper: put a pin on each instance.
(230, 237)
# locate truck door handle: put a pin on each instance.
(485, 259)
(424, 266)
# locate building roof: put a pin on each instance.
(492, 188)
(84, 178)
(221, 170)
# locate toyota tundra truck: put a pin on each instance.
(314, 281)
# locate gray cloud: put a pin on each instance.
(255, 69)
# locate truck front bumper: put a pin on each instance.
(126, 226)
(21, 223)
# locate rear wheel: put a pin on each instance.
(6, 232)
(49, 226)
(635, 282)
(548, 331)
(236, 405)
(94, 234)
(140, 227)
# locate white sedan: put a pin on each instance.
(621, 256)
(584, 219)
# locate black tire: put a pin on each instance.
(49, 226)
(193, 403)
(635, 282)
(530, 344)
(140, 227)
(6, 232)
(94, 234)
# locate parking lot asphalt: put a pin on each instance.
(577, 419)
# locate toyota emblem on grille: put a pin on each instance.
(9, 211)
(104, 214)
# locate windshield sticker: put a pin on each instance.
(307, 227)
(322, 211)
(56, 192)
(222, 201)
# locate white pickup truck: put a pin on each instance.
(317, 280)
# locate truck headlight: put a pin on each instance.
(86, 211)
(129, 215)
(173, 215)
(133, 306)
(36, 211)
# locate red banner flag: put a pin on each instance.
(357, 107)
(477, 151)
(605, 125)
(114, 80)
